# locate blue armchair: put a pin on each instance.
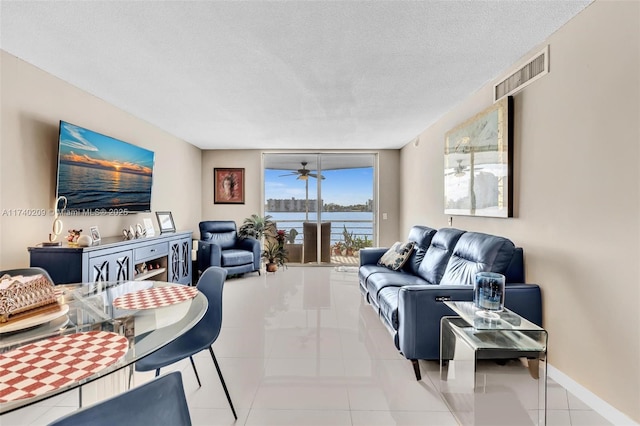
(219, 245)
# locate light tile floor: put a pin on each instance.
(300, 347)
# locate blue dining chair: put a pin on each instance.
(198, 338)
(159, 402)
(34, 270)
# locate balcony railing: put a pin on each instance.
(358, 228)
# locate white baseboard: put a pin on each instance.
(601, 407)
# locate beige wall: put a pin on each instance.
(577, 196)
(389, 197)
(32, 103)
(251, 160)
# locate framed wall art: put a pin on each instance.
(478, 164)
(228, 186)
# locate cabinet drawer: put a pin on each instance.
(151, 252)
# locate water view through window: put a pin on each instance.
(334, 191)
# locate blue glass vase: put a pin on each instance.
(488, 291)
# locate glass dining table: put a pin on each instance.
(101, 327)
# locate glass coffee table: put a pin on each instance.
(493, 368)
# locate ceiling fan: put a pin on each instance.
(459, 170)
(303, 173)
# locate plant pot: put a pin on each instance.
(272, 267)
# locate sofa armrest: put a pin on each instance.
(420, 309)
(209, 254)
(525, 300)
(370, 256)
(252, 245)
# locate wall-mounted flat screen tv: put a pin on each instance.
(98, 172)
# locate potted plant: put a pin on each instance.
(280, 237)
(292, 234)
(338, 247)
(359, 243)
(274, 255)
(256, 227)
(348, 241)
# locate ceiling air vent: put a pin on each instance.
(535, 68)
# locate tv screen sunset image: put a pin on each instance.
(99, 172)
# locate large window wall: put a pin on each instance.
(325, 202)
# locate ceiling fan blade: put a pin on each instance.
(289, 174)
(315, 175)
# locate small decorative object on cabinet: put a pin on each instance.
(95, 234)
(84, 240)
(140, 232)
(165, 222)
(128, 234)
(148, 226)
(73, 236)
(56, 229)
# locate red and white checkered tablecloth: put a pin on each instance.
(52, 363)
(155, 297)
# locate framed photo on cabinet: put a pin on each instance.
(95, 234)
(148, 226)
(165, 222)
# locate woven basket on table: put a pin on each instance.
(20, 294)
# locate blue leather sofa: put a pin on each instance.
(441, 267)
(220, 245)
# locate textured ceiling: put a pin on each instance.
(281, 75)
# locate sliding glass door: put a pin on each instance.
(325, 203)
